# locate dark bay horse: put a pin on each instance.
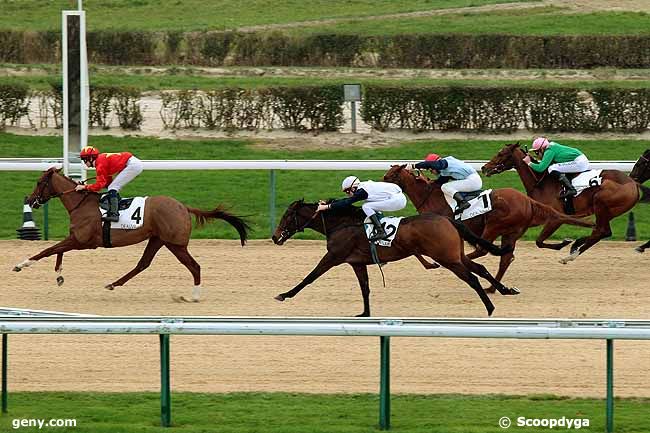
(640, 173)
(167, 222)
(512, 214)
(428, 235)
(616, 195)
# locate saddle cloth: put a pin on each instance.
(390, 225)
(586, 180)
(477, 206)
(131, 217)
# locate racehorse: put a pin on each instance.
(430, 235)
(167, 222)
(512, 214)
(640, 173)
(616, 195)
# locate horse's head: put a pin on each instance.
(502, 161)
(297, 216)
(395, 174)
(44, 188)
(641, 170)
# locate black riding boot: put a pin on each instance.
(112, 215)
(461, 203)
(379, 233)
(569, 190)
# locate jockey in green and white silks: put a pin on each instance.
(455, 176)
(558, 160)
(377, 196)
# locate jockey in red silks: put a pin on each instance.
(124, 164)
(378, 196)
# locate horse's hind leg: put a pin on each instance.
(464, 274)
(58, 269)
(149, 252)
(426, 264)
(642, 248)
(480, 270)
(183, 256)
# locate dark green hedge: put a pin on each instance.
(506, 109)
(279, 49)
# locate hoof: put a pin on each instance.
(17, 269)
(59, 281)
(109, 287)
(514, 291)
(183, 299)
(490, 310)
(363, 315)
(280, 298)
(639, 250)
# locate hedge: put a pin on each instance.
(336, 50)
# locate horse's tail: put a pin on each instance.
(202, 216)
(542, 213)
(475, 240)
(645, 194)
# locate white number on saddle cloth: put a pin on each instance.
(131, 218)
(586, 180)
(390, 224)
(477, 206)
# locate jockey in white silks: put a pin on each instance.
(377, 196)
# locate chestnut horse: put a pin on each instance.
(167, 222)
(640, 173)
(429, 235)
(616, 195)
(511, 215)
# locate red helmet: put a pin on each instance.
(432, 157)
(88, 152)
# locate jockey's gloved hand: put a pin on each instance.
(80, 187)
(527, 159)
(322, 206)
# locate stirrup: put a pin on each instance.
(377, 236)
(113, 218)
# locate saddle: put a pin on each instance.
(471, 194)
(124, 203)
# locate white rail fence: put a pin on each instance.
(40, 164)
(384, 328)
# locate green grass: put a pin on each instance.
(172, 81)
(530, 21)
(246, 192)
(313, 413)
(190, 15)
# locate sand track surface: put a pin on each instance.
(606, 282)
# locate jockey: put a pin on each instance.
(378, 196)
(124, 164)
(558, 159)
(455, 175)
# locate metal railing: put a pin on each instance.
(384, 328)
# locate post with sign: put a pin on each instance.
(352, 94)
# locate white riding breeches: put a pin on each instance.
(578, 165)
(473, 182)
(396, 202)
(132, 169)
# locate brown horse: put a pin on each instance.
(512, 214)
(640, 173)
(429, 235)
(616, 195)
(167, 222)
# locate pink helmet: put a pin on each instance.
(540, 143)
(432, 157)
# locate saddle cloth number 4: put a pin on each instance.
(131, 218)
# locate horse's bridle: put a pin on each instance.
(287, 233)
(38, 200)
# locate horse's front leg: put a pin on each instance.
(361, 271)
(642, 248)
(66, 244)
(58, 269)
(326, 263)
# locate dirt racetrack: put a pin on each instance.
(606, 282)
